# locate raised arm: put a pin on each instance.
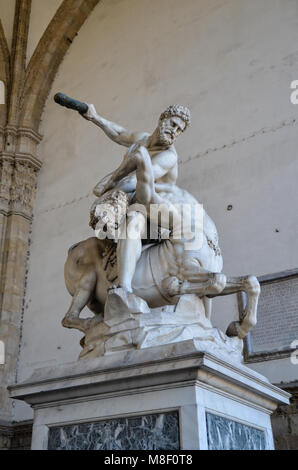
(115, 132)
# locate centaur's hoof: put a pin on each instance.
(234, 329)
(81, 324)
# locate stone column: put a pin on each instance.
(19, 168)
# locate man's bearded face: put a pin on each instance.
(169, 129)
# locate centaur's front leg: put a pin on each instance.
(216, 284)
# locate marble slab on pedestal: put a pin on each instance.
(129, 324)
(218, 403)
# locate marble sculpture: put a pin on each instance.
(150, 272)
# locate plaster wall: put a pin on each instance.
(42, 11)
(232, 63)
(7, 8)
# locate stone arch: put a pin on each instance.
(48, 56)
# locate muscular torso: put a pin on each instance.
(171, 175)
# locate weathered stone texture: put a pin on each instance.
(15, 436)
(285, 421)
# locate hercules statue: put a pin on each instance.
(171, 268)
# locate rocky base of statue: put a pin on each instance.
(130, 324)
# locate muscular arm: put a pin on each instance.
(162, 163)
(115, 132)
(124, 177)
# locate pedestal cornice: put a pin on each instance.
(165, 366)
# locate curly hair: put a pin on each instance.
(177, 110)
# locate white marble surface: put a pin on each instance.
(129, 324)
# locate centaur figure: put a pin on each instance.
(161, 272)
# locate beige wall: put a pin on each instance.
(7, 8)
(232, 63)
(42, 11)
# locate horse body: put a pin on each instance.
(164, 272)
(89, 260)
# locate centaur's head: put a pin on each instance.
(172, 122)
(107, 213)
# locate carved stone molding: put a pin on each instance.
(23, 188)
(19, 167)
(28, 158)
(30, 133)
(5, 181)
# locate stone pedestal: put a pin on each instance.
(168, 397)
